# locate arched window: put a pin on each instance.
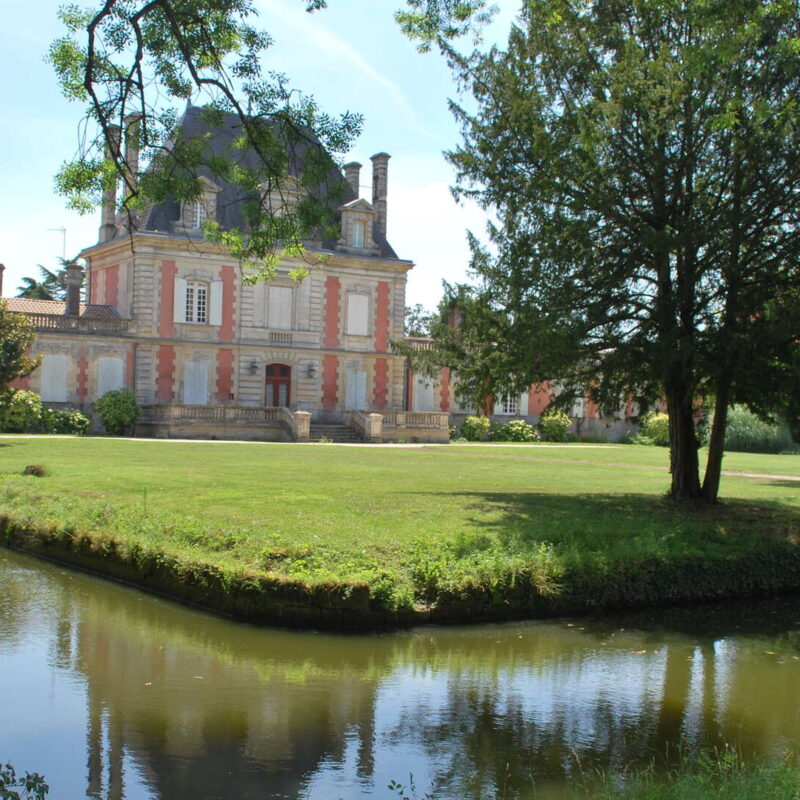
(196, 301)
(278, 385)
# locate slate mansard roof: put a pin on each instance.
(166, 217)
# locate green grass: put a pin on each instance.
(713, 776)
(482, 526)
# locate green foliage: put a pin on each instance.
(118, 411)
(661, 263)
(654, 429)
(475, 429)
(748, 433)
(553, 426)
(16, 336)
(20, 410)
(122, 57)
(67, 420)
(14, 787)
(516, 430)
(714, 775)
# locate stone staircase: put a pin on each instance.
(340, 434)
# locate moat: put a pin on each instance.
(113, 693)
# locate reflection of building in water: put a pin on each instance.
(201, 723)
(192, 706)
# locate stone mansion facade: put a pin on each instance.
(170, 317)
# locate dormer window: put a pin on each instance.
(197, 302)
(198, 214)
(358, 233)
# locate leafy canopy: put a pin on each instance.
(133, 63)
(640, 157)
(16, 336)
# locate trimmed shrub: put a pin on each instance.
(473, 429)
(745, 432)
(553, 426)
(118, 411)
(516, 430)
(20, 411)
(654, 429)
(68, 420)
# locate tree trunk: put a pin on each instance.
(716, 446)
(683, 445)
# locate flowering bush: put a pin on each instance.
(517, 430)
(553, 426)
(20, 410)
(473, 429)
(64, 421)
(654, 429)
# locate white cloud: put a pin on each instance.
(428, 227)
(316, 38)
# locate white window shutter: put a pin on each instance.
(215, 305)
(179, 310)
(279, 313)
(110, 375)
(53, 376)
(357, 314)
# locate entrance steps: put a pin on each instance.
(339, 434)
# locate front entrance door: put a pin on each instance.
(279, 381)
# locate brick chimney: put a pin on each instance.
(108, 226)
(131, 152)
(380, 177)
(74, 276)
(352, 172)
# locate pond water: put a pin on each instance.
(113, 693)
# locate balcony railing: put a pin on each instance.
(219, 414)
(418, 343)
(66, 324)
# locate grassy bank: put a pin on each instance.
(347, 536)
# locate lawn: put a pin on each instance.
(531, 527)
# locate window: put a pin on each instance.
(198, 214)
(423, 397)
(279, 311)
(358, 233)
(357, 315)
(109, 375)
(196, 302)
(195, 383)
(356, 388)
(53, 375)
(507, 404)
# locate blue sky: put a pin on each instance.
(350, 57)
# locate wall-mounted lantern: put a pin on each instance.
(253, 367)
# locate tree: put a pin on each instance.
(53, 285)
(132, 61)
(16, 336)
(640, 156)
(417, 321)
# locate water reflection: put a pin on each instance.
(114, 694)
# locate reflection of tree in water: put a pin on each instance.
(207, 709)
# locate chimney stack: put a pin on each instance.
(74, 280)
(131, 152)
(380, 177)
(108, 227)
(352, 172)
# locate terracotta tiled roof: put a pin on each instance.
(26, 305)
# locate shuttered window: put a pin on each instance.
(357, 315)
(279, 309)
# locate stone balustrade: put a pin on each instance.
(67, 324)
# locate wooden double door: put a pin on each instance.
(279, 385)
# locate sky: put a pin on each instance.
(350, 57)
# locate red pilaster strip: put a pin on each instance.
(409, 390)
(228, 277)
(381, 382)
(166, 325)
(83, 373)
(538, 398)
(94, 289)
(332, 300)
(112, 286)
(224, 375)
(382, 318)
(444, 393)
(330, 382)
(165, 373)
